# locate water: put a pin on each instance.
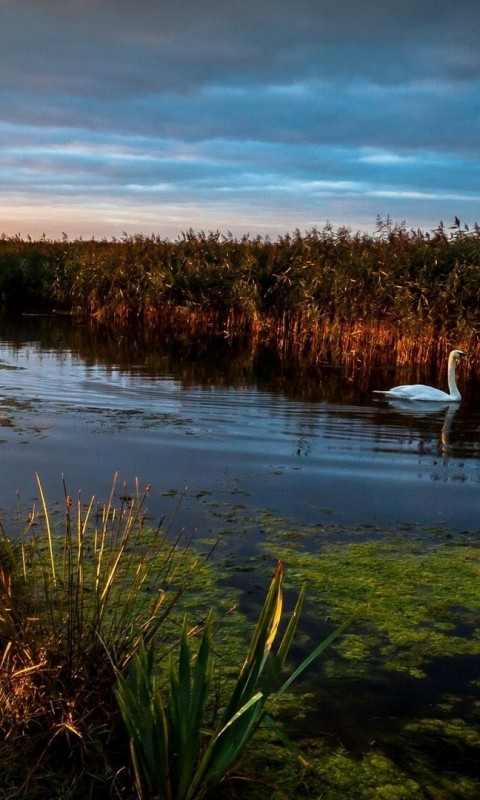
(87, 406)
(241, 432)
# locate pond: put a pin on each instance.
(259, 446)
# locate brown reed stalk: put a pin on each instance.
(73, 610)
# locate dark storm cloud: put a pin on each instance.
(308, 108)
(151, 45)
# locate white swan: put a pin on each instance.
(418, 391)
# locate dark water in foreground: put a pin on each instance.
(241, 432)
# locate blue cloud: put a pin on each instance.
(260, 116)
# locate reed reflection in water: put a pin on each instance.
(308, 443)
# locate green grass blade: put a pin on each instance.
(188, 694)
(49, 530)
(278, 659)
(260, 645)
(145, 718)
(226, 747)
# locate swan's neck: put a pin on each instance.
(452, 384)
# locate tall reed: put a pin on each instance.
(75, 605)
(297, 290)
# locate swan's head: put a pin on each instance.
(458, 355)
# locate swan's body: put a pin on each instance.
(418, 391)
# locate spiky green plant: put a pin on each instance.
(174, 754)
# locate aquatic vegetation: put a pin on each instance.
(378, 773)
(75, 604)
(422, 597)
(57, 681)
(392, 708)
(179, 752)
(323, 295)
(422, 591)
(337, 775)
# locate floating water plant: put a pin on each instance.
(422, 594)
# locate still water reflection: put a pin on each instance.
(308, 446)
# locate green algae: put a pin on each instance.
(417, 596)
(335, 774)
(416, 593)
(416, 599)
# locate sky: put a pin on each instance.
(249, 117)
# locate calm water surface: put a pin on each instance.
(241, 433)
(84, 406)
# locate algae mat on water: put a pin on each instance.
(415, 645)
(416, 602)
(391, 710)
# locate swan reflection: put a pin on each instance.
(427, 409)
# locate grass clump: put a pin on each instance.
(74, 607)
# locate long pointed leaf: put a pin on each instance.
(314, 654)
(278, 660)
(259, 646)
(227, 745)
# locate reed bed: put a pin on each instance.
(319, 294)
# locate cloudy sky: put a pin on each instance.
(248, 116)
